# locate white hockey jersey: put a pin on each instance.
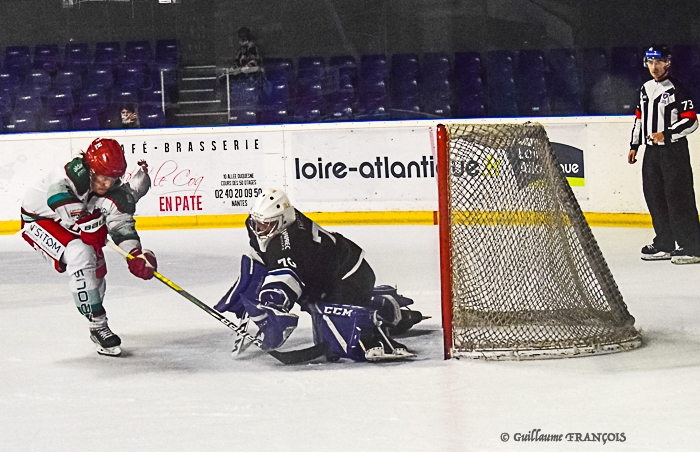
(64, 195)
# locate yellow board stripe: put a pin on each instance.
(576, 181)
(390, 218)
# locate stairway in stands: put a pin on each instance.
(201, 101)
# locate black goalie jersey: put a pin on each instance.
(308, 263)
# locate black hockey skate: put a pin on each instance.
(378, 346)
(408, 319)
(106, 342)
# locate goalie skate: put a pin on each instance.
(106, 342)
(379, 347)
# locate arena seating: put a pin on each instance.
(60, 87)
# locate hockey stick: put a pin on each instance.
(291, 357)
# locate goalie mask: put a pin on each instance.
(271, 213)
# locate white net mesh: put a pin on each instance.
(529, 279)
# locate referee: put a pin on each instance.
(665, 115)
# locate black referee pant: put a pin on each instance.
(667, 180)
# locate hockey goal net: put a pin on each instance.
(522, 275)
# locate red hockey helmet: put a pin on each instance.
(105, 157)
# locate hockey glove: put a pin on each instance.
(143, 264)
(93, 229)
(275, 325)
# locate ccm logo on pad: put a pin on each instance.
(337, 310)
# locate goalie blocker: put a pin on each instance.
(361, 333)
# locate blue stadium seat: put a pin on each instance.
(138, 52)
(344, 69)
(85, 120)
(101, 75)
(311, 92)
(151, 117)
(165, 72)
(501, 84)
(438, 108)
(155, 97)
(93, 99)
(59, 102)
(23, 122)
(627, 69)
(405, 107)
(47, 57)
(467, 63)
(28, 101)
(307, 113)
(404, 66)
(244, 93)
(372, 110)
(126, 95)
(132, 74)
(531, 84)
(108, 53)
(17, 60)
(373, 66)
(69, 77)
(243, 116)
(500, 68)
(6, 103)
(77, 54)
(565, 85)
(277, 69)
(9, 82)
(686, 60)
(272, 115)
(471, 106)
(598, 98)
(405, 90)
(436, 65)
(338, 111)
(312, 67)
(276, 93)
(167, 51)
(57, 124)
(39, 81)
(503, 106)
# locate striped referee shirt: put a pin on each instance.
(666, 107)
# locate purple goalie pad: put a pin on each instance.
(276, 325)
(340, 326)
(248, 285)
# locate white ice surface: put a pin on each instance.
(177, 387)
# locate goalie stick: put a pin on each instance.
(290, 357)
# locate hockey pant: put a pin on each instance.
(68, 253)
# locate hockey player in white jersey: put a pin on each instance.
(294, 260)
(67, 215)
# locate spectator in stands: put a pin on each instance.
(126, 116)
(248, 58)
(129, 116)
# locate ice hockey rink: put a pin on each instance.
(177, 386)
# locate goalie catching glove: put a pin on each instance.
(143, 264)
